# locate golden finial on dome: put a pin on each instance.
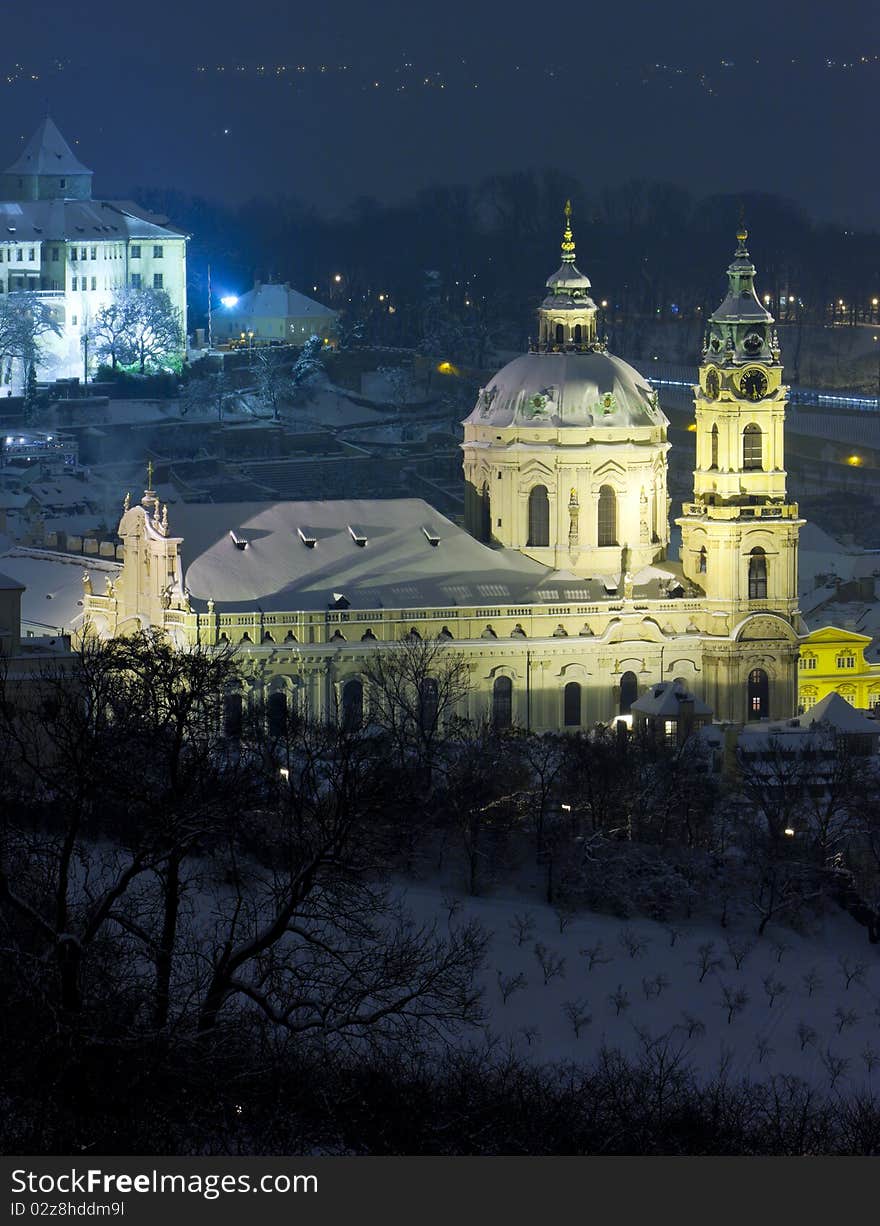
(568, 237)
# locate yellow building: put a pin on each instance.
(832, 661)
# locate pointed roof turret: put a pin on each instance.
(47, 169)
(741, 303)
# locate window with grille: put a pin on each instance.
(539, 516)
(607, 516)
(753, 447)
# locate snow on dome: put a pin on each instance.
(568, 389)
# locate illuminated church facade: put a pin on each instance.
(558, 591)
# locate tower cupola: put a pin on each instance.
(567, 316)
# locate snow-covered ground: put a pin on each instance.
(657, 969)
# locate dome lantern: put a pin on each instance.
(567, 316)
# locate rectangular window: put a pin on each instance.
(157, 252)
(73, 320)
(157, 280)
(32, 255)
(56, 254)
(94, 282)
(136, 251)
(83, 253)
(73, 281)
(135, 280)
(19, 255)
(94, 253)
(73, 254)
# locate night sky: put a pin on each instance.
(451, 92)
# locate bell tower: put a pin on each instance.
(740, 534)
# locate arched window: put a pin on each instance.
(352, 705)
(629, 692)
(429, 701)
(701, 562)
(607, 516)
(233, 713)
(571, 713)
(560, 334)
(753, 448)
(759, 694)
(757, 575)
(276, 713)
(578, 333)
(539, 516)
(485, 515)
(502, 702)
(714, 444)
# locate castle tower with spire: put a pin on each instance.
(740, 533)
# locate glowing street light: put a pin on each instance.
(229, 301)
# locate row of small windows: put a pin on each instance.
(539, 516)
(76, 254)
(752, 448)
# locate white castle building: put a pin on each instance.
(558, 592)
(72, 251)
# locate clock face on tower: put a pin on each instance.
(713, 383)
(753, 342)
(753, 383)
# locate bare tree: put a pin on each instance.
(595, 955)
(773, 987)
(523, 925)
(853, 972)
(620, 1000)
(734, 1000)
(707, 962)
(111, 331)
(577, 1013)
(272, 377)
(155, 331)
(508, 984)
(552, 964)
(806, 1034)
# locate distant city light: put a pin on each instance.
(854, 460)
(229, 300)
(337, 278)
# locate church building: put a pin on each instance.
(558, 592)
(70, 251)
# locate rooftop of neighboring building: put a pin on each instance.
(279, 301)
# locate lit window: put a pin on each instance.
(753, 450)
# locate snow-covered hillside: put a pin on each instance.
(649, 980)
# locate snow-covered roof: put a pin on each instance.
(80, 220)
(47, 153)
(837, 712)
(596, 390)
(53, 595)
(304, 555)
(279, 302)
(664, 700)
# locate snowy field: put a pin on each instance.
(650, 980)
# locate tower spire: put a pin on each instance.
(567, 237)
